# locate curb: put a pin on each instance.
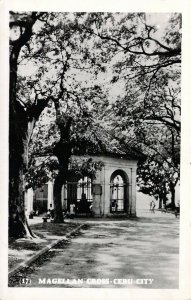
(42, 251)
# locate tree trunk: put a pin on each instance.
(18, 161)
(160, 201)
(17, 227)
(63, 158)
(62, 151)
(57, 191)
(164, 195)
(164, 202)
(17, 152)
(172, 190)
(20, 132)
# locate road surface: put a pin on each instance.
(138, 253)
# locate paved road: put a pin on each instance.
(141, 253)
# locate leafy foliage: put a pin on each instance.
(110, 84)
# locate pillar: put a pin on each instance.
(96, 198)
(107, 192)
(132, 192)
(50, 194)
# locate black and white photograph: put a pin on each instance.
(94, 150)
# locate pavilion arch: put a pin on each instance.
(119, 192)
(98, 191)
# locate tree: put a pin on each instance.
(146, 62)
(141, 47)
(22, 118)
(157, 179)
(55, 45)
(64, 52)
(64, 44)
(152, 180)
(81, 134)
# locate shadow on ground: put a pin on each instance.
(143, 248)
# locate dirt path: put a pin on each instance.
(141, 253)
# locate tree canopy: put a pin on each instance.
(94, 81)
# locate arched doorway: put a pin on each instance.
(119, 192)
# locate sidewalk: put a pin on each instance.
(22, 250)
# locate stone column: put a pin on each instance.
(50, 194)
(132, 192)
(107, 192)
(97, 203)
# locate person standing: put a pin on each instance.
(72, 210)
(152, 206)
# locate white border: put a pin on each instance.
(184, 6)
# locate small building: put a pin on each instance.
(111, 193)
